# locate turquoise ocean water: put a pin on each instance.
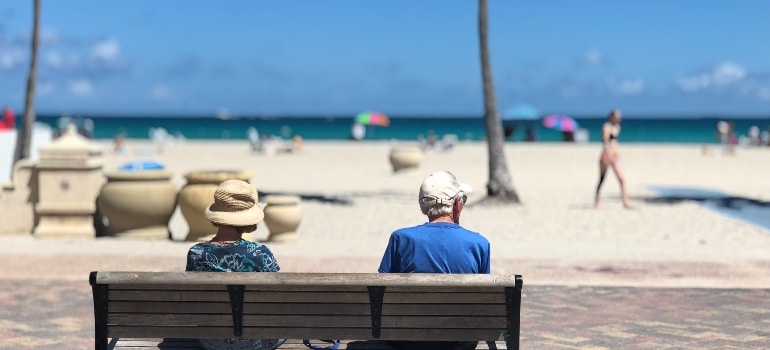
(668, 130)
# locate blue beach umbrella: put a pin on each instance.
(521, 111)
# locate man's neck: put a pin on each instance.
(443, 218)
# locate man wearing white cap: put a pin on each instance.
(440, 245)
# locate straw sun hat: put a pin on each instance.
(235, 204)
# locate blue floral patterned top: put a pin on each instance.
(241, 256)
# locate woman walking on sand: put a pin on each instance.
(610, 156)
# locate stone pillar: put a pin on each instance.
(17, 214)
(69, 179)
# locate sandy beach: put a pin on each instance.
(352, 201)
(678, 271)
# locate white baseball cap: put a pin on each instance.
(441, 187)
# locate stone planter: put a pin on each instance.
(282, 217)
(405, 157)
(197, 194)
(137, 204)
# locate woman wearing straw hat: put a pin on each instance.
(234, 212)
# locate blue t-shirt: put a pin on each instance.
(439, 247)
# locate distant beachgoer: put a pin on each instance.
(732, 138)
(357, 132)
(728, 148)
(297, 144)
(9, 119)
(159, 137)
(432, 140)
(531, 135)
(509, 129)
(722, 130)
(254, 140)
(568, 136)
(610, 156)
(88, 128)
(119, 144)
(754, 137)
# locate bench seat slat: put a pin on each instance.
(290, 344)
(220, 296)
(306, 288)
(146, 307)
(286, 278)
(248, 308)
(443, 309)
(204, 320)
(331, 321)
(478, 322)
(154, 343)
(312, 333)
(443, 298)
(299, 297)
(227, 332)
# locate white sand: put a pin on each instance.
(556, 236)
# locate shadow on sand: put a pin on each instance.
(749, 210)
(311, 197)
(347, 198)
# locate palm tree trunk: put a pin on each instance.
(500, 185)
(24, 139)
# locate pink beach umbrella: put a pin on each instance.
(560, 122)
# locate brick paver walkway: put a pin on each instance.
(59, 315)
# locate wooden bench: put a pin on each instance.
(171, 309)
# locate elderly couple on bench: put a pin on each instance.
(440, 245)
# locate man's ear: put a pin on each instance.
(456, 209)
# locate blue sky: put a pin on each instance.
(651, 57)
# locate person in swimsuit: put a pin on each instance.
(610, 156)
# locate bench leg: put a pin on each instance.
(100, 292)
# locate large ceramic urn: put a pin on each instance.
(197, 194)
(282, 217)
(405, 157)
(136, 204)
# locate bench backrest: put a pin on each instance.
(361, 306)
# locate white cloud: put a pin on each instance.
(46, 36)
(593, 58)
(81, 87)
(105, 50)
(728, 73)
(53, 59)
(45, 88)
(10, 59)
(690, 84)
(764, 93)
(629, 87)
(569, 90)
(162, 93)
(722, 75)
(50, 36)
